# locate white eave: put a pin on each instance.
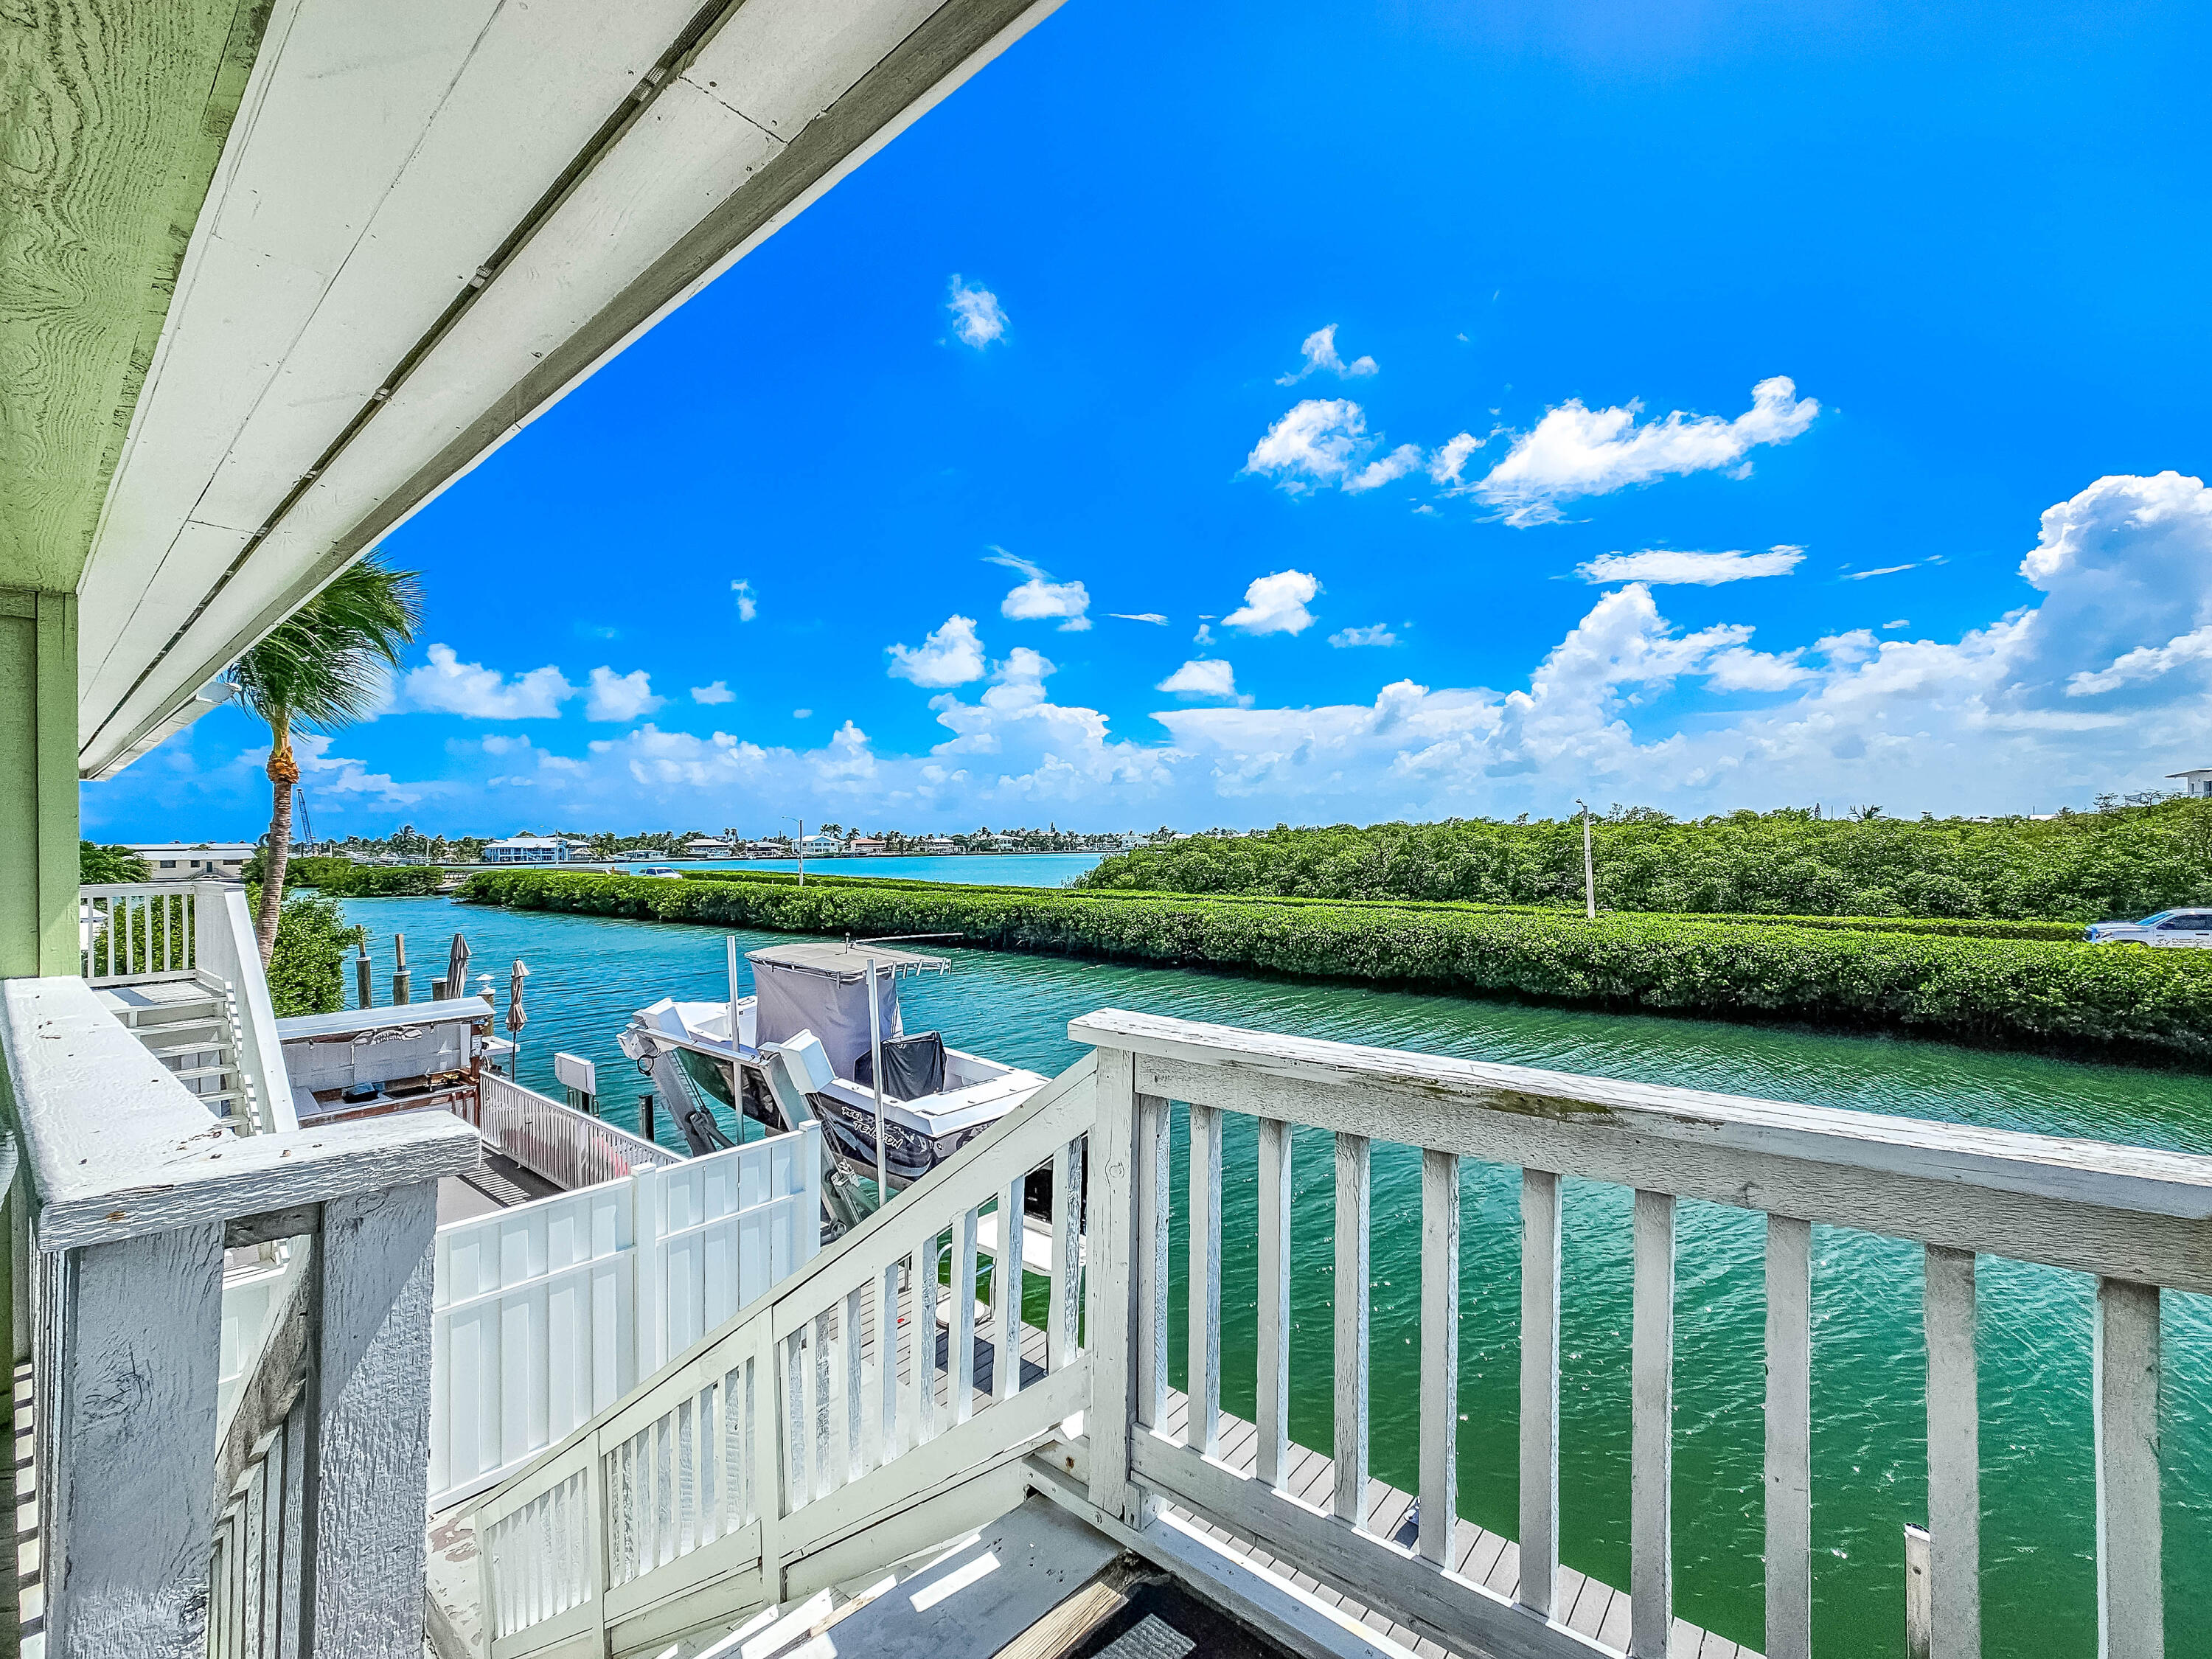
(433, 219)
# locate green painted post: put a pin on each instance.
(38, 783)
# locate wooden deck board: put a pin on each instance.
(1587, 1605)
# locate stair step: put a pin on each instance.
(197, 1072)
(176, 1050)
(164, 1028)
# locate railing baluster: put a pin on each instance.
(1539, 1390)
(1202, 1412)
(1788, 1438)
(1954, 1478)
(2130, 1584)
(1439, 1353)
(1006, 1280)
(963, 1384)
(887, 1352)
(924, 1339)
(1348, 1500)
(798, 1431)
(1151, 1259)
(1651, 1450)
(824, 1431)
(1274, 1357)
(856, 1461)
(1063, 1334)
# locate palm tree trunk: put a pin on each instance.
(283, 775)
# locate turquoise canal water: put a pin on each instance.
(1870, 1453)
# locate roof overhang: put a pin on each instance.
(431, 220)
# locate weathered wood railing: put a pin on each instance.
(834, 1408)
(2137, 1219)
(548, 1313)
(133, 1198)
(570, 1148)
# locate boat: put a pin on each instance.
(803, 1046)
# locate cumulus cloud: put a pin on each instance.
(717, 692)
(1317, 443)
(1396, 464)
(620, 697)
(950, 655)
(1320, 353)
(1447, 464)
(329, 775)
(748, 601)
(446, 685)
(1663, 566)
(1380, 633)
(1742, 669)
(977, 316)
(1276, 604)
(1576, 450)
(1041, 599)
(1203, 677)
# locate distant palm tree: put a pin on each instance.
(324, 667)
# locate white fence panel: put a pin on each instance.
(545, 1314)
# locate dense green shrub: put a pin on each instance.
(1978, 990)
(304, 969)
(344, 878)
(1952, 927)
(2078, 866)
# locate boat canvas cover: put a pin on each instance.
(830, 999)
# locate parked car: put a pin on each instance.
(668, 870)
(2188, 928)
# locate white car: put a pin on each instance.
(2184, 928)
(664, 872)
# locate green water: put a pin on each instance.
(1870, 1453)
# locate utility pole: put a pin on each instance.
(1589, 867)
(800, 844)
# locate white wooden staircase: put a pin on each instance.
(191, 1026)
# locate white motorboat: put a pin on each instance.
(804, 1045)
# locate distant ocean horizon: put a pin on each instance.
(977, 869)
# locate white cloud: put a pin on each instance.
(1575, 451)
(951, 655)
(2145, 662)
(748, 601)
(620, 697)
(1029, 567)
(1380, 633)
(802, 713)
(1276, 604)
(1664, 566)
(1396, 464)
(1886, 570)
(446, 685)
(1204, 678)
(977, 316)
(1742, 669)
(1317, 443)
(1153, 616)
(1320, 353)
(1037, 600)
(1900, 622)
(326, 774)
(1446, 465)
(717, 692)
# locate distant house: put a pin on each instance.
(708, 847)
(766, 849)
(864, 844)
(2198, 782)
(940, 844)
(821, 845)
(992, 843)
(533, 849)
(206, 860)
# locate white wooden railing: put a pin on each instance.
(709, 1490)
(137, 931)
(571, 1149)
(132, 1199)
(834, 1405)
(546, 1314)
(2137, 1219)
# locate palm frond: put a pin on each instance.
(327, 664)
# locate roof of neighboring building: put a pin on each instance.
(243, 849)
(2195, 772)
(536, 841)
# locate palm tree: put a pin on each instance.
(324, 666)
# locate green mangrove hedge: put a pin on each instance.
(2151, 1002)
(1939, 926)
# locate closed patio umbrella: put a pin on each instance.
(456, 968)
(516, 1018)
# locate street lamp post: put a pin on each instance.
(800, 844)
(1589, 868)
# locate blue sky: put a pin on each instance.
(1839, 289)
